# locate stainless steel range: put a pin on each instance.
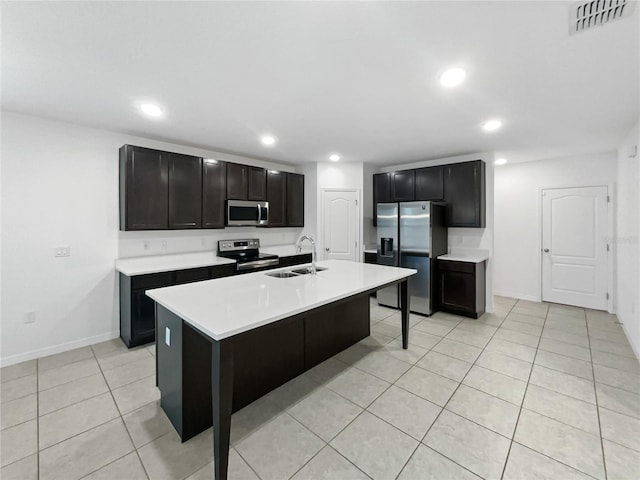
(247, 254)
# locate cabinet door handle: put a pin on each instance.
(546, 250)
(326, 249)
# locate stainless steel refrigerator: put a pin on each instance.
(412, 235)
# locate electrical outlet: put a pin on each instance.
(30, 317)
(146, 245)
(164, 244)
(64, 251)
(167, 336)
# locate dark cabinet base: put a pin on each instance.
(462, 288)
(263, 359)
(137, 311)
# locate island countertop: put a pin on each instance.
(224, 307)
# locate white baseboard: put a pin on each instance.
(63, 347)
(634, 347)
(519, 296)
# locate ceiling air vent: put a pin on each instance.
(595, 13)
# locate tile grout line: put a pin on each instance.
(365, 409)
(213, 460)
(595, 392)
(524, 396)
(135, 449)
(443, 408)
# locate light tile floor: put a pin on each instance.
(536, 391)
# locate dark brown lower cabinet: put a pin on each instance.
(370, 257)
(263, 359)
(137, 311)
(295, 260)
(462, 287)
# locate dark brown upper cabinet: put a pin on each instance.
(257, 188)
(381, 192)
(246, 183)
(144, 192)
(237, 181)
(162, 190)
(430, 183)
(185, 192)
(214, 174)
(295, 200)
(464, 192)
(402, 186)
(276, 196)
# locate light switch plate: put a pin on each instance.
(167, 336)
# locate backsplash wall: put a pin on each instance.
(137, 244)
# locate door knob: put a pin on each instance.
(546, 250)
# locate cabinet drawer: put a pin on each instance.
(152, 280)
(464, 267)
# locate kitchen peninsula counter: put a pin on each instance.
(226, 342)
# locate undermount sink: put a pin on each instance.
(282, 274)
(294, 273)
(305, 270)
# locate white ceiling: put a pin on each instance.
(356, 78)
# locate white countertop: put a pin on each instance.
(168, 263)
(223, 307)
(370, 250)
(181, 261)
(465, 257)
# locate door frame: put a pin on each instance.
(611, 286)
(359, 230)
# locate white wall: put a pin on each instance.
(370, 238)
(310, 171)
(470, 238)
(60, 187)
(517, 271)
(339, 175)
(627, 238)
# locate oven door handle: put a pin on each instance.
(258, 264)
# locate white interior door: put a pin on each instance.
(574, 246)
(341, 226)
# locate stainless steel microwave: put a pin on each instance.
(244, 213)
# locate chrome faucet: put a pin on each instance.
(313, 252)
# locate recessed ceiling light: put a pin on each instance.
(151, 109)
(452, 77)
(492, 125)
(334, 157)
(268, 140)
(500, 161)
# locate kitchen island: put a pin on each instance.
(223, 343)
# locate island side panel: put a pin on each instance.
(330, 330)
(169, 356)
(266, 358)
